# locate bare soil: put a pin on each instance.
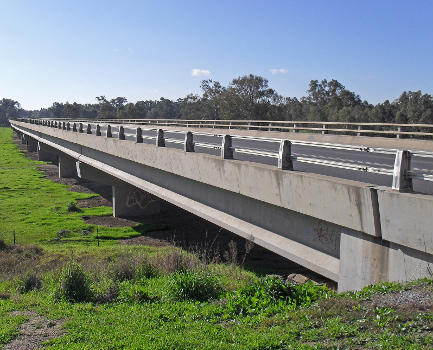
(34, 332)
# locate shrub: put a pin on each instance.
(175, 260)
(123, 270)
(270, 295)
(29, 282)
(74, 285)
(72, 207)
(147, 270)
(3, 245)
(189, 285)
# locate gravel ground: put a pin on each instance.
(417, 298)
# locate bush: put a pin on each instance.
(123, 270)
(29, 282)
(189, 285)
(72, 207)
(270, 295)
(3, 245)
(147, 270)
(74, 285)
(176, 261)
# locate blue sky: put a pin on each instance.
(77, 50)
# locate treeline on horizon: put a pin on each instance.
(248, 97)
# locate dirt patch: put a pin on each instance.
(94, 202)
(416, 298)
(146, 240)
(34, 332)
(109, 221)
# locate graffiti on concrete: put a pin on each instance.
(139, 198)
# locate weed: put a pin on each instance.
(74, 284)
(147, 270)
(175, 260)
(29, 282)
(189, 285)
(123, 270)
(134, 293)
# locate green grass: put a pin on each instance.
(162, 298)
(36, 209)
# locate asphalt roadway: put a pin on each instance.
(377, 160)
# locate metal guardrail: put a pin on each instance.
(358, 129)
(401, 172)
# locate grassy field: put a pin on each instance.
(114, 296)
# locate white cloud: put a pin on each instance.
(200, 72)
(278, 70)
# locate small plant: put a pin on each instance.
(74, 285)
(189, 285)
(3, 245)
(270, 295)
(62, 233)
(29, 282)
(72, 207)
(134, 293)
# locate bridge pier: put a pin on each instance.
(128, 200)
(67, 167)
(32, 144)
(46, 153)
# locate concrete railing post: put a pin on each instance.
(160, 142)
(188, 145)
(324, 129)
(401, 181)
(109, 133)
(295, 127)
(74, 127)
(285, 155)
(398, 130)
(139, 136)
(89, 129)
(226, 147)
(60, 125)
(80, 128)
(98, 130)
(64, 125)
(68, 126)
(121, 133)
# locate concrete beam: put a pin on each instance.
(46, 153)
(407, 219)
(67, 167)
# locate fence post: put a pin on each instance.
(359, 130)
(139, 136)
(89, 129)
(226, 147)
(324, 127)
(160, 142)
(188, 145)
(401, 181)
(399, 130)
(121, 133)
(109, 133)
(285, 155)
(98, 130)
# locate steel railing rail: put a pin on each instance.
(401, 171)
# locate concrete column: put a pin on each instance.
(363, 261)
(23, 139)
(46, 153)
(32, 144)
(67, 167)
(129, 201)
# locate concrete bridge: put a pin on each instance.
(351, 232)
